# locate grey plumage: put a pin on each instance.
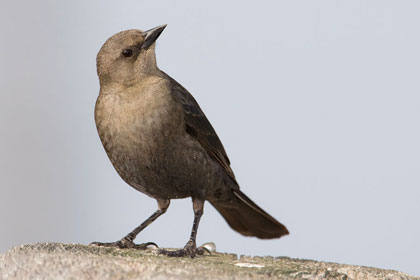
(161, 143)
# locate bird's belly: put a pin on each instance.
(173, 168)
(160, 163)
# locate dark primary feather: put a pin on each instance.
(199, 127)
(247, 218)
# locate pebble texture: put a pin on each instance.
(75, 261)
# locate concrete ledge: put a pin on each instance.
(75, 261)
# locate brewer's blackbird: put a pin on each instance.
(161, 143)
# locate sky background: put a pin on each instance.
(317, 104)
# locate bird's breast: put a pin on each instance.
(138, 123)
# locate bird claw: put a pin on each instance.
(125, 244)
(190, 250)
(183, 252)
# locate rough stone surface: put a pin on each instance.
(75, 261)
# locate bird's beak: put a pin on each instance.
(151, 35)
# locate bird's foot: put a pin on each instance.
(125, 244)
(190, 250)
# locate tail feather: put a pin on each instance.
(247, 218)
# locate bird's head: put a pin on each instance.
(128, 55)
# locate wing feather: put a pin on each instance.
(198, 126)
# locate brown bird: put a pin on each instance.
(161, 143)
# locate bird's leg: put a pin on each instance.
(128, 240)
(190, 249)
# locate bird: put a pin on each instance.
(161, 143)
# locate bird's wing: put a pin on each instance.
(199, 127)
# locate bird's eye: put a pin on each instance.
(127, 53)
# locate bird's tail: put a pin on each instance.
(247, 218)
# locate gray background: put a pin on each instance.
(316, 102)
